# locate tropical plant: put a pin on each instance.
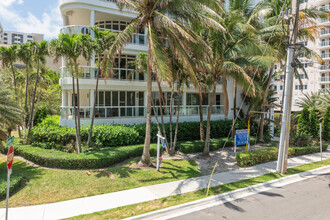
(303, 122)
(314, 124)
(167, 24)
(102, 40)
(326, 125)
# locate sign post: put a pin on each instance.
(321, 141)
(242, 137)
(10, 158)
(160, 141)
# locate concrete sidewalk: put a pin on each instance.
(99, 203)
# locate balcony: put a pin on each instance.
(325, 8)
(325, 67)
(325, 55)
(324, 79)
(136, 111)
(324, 44)
(88, 72)
(325, 32)
(325, 21)
(137, 39)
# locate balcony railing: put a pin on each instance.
(324, 79)
(325, 55)
(322, 21)
(137, 39)
(88, 72)
(325, 67)
(136, 111)
(324, 44)
(325, 8)
(325, 32)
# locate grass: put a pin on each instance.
(137, 209)
(51, 185)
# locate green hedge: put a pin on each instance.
(16, 182)
(254, 157)
(103, 157)
(53, 136)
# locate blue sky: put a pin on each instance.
(31, 16)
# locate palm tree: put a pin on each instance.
(165, 19)
(10, 114)
(72, 47)
(40, 51)
(103, 40)
(25, 54)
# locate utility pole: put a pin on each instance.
(286, 117)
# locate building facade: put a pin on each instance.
(318, 74)
(12, 37)
(122, 99)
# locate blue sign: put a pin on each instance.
(163, 143)
(241, 137)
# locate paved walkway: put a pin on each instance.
(117, 199)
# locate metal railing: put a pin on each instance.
(324, 44)
(325, 8)
(324, 79)
(135, 111)
(137, 39)
(324, 67)
(325, 55)
(322, 21)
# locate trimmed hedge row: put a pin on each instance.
(254, 157)
(104, 157)
(16, 182)
(52, 134)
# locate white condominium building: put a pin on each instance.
(12, 37)
(122, 99)
(318, 74)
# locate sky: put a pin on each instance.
(31, 16)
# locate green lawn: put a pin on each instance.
(50, 185)
(137, 209)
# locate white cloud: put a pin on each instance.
(49, 24)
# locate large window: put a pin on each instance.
(119, 103)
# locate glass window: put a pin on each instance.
(107, 98)
(101, 98)
(114, 98)
(130, 98)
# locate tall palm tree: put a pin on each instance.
(103, 39)
(164, 19)
(25, 54)
(72, 47)
(40, 51)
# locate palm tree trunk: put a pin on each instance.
(225, 94)
(161, 101)
(234, 110)
(263, 107)
(34, 115)
(78, 109)
(201, 120)
(32, 107)
(16, 96)
(94, 106)
(75, 113)
(177, 123)
(206, 151)
(26, 101)
(171, 110)
(145, 158)
(156, 116)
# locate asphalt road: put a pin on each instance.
(307, 199)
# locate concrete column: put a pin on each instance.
(91, 97)
(64, 98)
(69, 98)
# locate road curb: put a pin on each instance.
(197, 205)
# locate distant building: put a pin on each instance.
(12, 37)
(1, 34)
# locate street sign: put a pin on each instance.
(162, 141)
(10, 155)
(242, 137)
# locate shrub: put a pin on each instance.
(314, 124)
(326, 125)
(301, 140)
(49, 132)
(16, 182)
(303, 122)
(254, 157)
(41, 114)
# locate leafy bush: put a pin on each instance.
(301, 140)
(49, 132)
(254, 157)
(303, 122)
(314, 124)
(103, 157)
(15, 183)
(41, 114)
(326, 125)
